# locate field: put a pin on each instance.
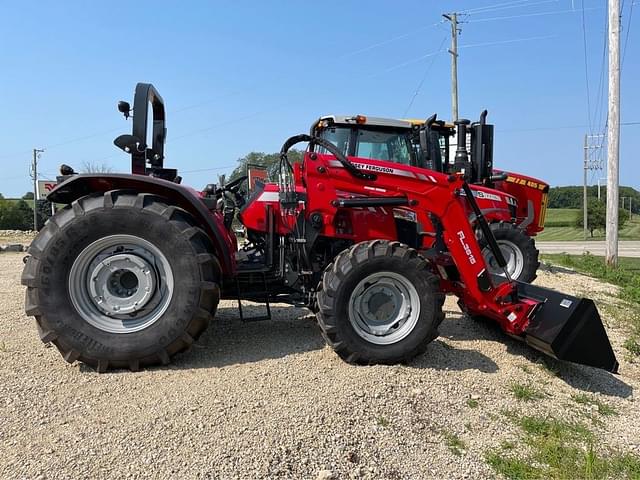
(559, 226)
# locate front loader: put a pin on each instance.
(131, 271)
(513, 204)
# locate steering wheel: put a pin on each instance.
(235, 185)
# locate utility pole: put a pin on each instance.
(584, 188)
(592, 161)
(613, 135)
(34, 174)
(453, 18)
(600, 178)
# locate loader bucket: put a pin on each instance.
(568, 328)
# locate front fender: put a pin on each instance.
(79, 186)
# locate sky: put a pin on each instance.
(238, 77)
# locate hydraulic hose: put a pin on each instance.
(330, 147)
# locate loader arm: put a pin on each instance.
(430, 194)
(560, 325)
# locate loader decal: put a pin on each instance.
(467, 248)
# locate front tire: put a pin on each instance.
(519, 251)
(121, 281)
(378, 303)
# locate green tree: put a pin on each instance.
(43, 208)
(268, 160)
(597, 216)
(28, 196)
(571, 196)
(15, 215)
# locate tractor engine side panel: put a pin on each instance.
(496, 206)
(532, 196)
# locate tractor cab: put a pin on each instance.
(368, 137)
(429, 144)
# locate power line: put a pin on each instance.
(586, 70)
(424, 77)
(390, 40)
(490, 7)
(505, 6)
(503, 42)
(556, 127)
(539, 14)
(601, 85)
(626, 37)
(207, 169)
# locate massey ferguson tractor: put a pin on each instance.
(130, 272)
(513, 204)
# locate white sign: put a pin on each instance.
(44, 187)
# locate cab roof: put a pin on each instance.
(372, 121)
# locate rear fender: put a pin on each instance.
(86, 184)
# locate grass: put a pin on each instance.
(471, 403)
(626, 275)
(561, 217)
(558, 449)
(455, 443)
(525, 393)
(382, 421)
(603, 408)
(632, 346)
(525, 368)
(559, 225)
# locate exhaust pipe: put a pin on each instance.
(567, 328)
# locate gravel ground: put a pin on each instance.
(269, 400)
(16, 236)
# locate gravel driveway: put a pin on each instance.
(268, 399)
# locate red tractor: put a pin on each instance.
(130, 272)
(513, 204)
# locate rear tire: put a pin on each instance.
(121, 252)
(378, 303)
(519, 250)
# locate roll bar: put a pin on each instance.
(135, 144)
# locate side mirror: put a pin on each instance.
(128, 143)
(124, 108)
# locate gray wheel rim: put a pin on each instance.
(512, 254)
(384, 308)
(121, 284)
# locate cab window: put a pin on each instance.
(338, 136)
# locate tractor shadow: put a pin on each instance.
(580, 377)
(228, 341)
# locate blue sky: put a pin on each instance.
(240, 77)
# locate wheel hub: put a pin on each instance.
(384, 308)
(380, 304)
(122, 284)
(513, 256)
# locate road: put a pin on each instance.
(627, 248)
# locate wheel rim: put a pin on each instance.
(511, 253)
(384, 308)
(121, 284)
